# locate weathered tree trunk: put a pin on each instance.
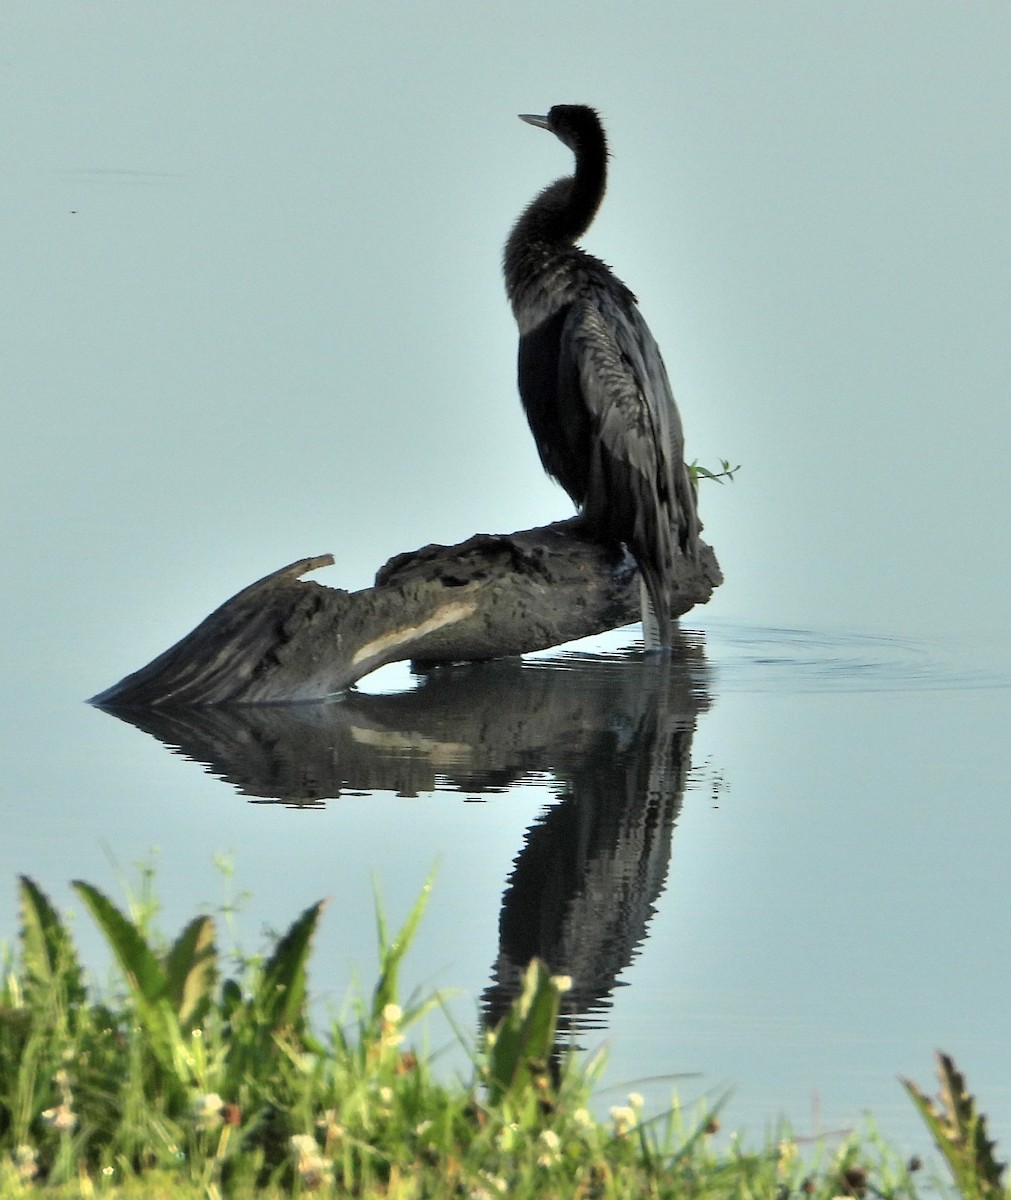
(286, 639)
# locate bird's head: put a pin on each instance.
(574, 124)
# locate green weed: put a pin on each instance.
(959, 1131)
(193, 1080)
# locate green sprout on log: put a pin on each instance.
(726, 471)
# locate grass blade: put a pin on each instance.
(391, 953)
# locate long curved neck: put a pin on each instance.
(565, 209)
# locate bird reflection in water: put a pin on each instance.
(613, 731)
(585, 884)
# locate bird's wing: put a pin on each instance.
(602, 360)
(609, 355)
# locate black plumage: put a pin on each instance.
(591, 377)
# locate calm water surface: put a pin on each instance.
(776, 865)
(239, 339)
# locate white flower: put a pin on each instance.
(330, 1124)
(62, 1118)
(624, 1119)
(390, 1034)
(313, 1168)
(26, 1161)
(552, 1145)
(207, 1111)
(787, 1150)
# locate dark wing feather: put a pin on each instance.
(638, 489)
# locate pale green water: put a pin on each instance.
(254, 312)
(780, 869)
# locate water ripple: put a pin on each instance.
(755, 658)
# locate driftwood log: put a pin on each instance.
(286, 639)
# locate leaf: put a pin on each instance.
(231, 999)
(726, 471)
(136, 960)
(959, 1130)
(145, 978)
(521, 1045)
(191, 971)
(281, 998)
(50, 959)
(277, 1005)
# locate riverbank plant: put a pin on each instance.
(195, 1079)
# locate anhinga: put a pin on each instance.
(591, 376)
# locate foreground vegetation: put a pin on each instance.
(187, 1081)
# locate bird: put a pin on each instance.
(592, 380)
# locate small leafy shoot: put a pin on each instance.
(959, 1129)
(726, 471)
(48, 953)
(191, 970)
(520, 1047)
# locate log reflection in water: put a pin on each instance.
(612, 731)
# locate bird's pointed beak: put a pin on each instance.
(540, 122)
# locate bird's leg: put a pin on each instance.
(650, 625)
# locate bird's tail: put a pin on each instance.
(657, 626)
